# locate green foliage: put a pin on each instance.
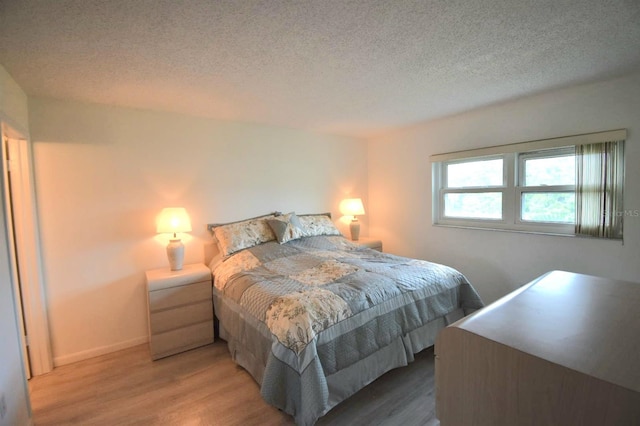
(483, 205)
(550, 171)
(557, 207)
(472, 174)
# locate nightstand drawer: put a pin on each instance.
(179, 310)
(177, 296)
(182, 316)
(182, 339)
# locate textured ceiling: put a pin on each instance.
(354, 67)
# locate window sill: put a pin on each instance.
(525, 231)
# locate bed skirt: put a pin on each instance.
(312, 393)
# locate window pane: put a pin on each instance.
(477, 205)
(475, 174)
(558, 207)
(550, 171)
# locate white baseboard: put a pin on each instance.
(90, 353)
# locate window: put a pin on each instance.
(534, 186)
(546, 186)
(473, 189)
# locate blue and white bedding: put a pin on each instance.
(317, 318)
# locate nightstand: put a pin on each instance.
(369, 243)
(180, 309)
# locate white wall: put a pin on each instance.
(13, 385)
(498, 262)
(104, 173)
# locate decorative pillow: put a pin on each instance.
(317, 224)
(233, 237)
(212, 226)
(286, 227)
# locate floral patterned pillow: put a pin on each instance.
(317, 224)
(286, 227)
(233, 237)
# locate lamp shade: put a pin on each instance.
(352, 207)
(172, 220)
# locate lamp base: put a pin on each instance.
(175, 253)
(354, 227)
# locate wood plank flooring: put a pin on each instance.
(204, 387)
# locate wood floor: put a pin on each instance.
(205, 387)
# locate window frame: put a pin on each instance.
(511, 194)
(511, 190)
(520, 189)
(443, 190)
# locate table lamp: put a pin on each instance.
(353, 207)
(173, 220)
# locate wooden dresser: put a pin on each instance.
(180, 309)
(562, 350)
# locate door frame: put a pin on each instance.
(13, 258)
(27, 258)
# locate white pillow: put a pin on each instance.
(317, 224)
(233, 237)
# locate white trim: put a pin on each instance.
(500, 225)
(612, 135)
(520, 231)
(101, 350)
(510, 203)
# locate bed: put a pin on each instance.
(314, 318)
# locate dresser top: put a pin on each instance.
(584, 323)
(158, 279)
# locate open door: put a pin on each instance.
(24, 247)
(9, 213)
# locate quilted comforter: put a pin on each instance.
(320, 306)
